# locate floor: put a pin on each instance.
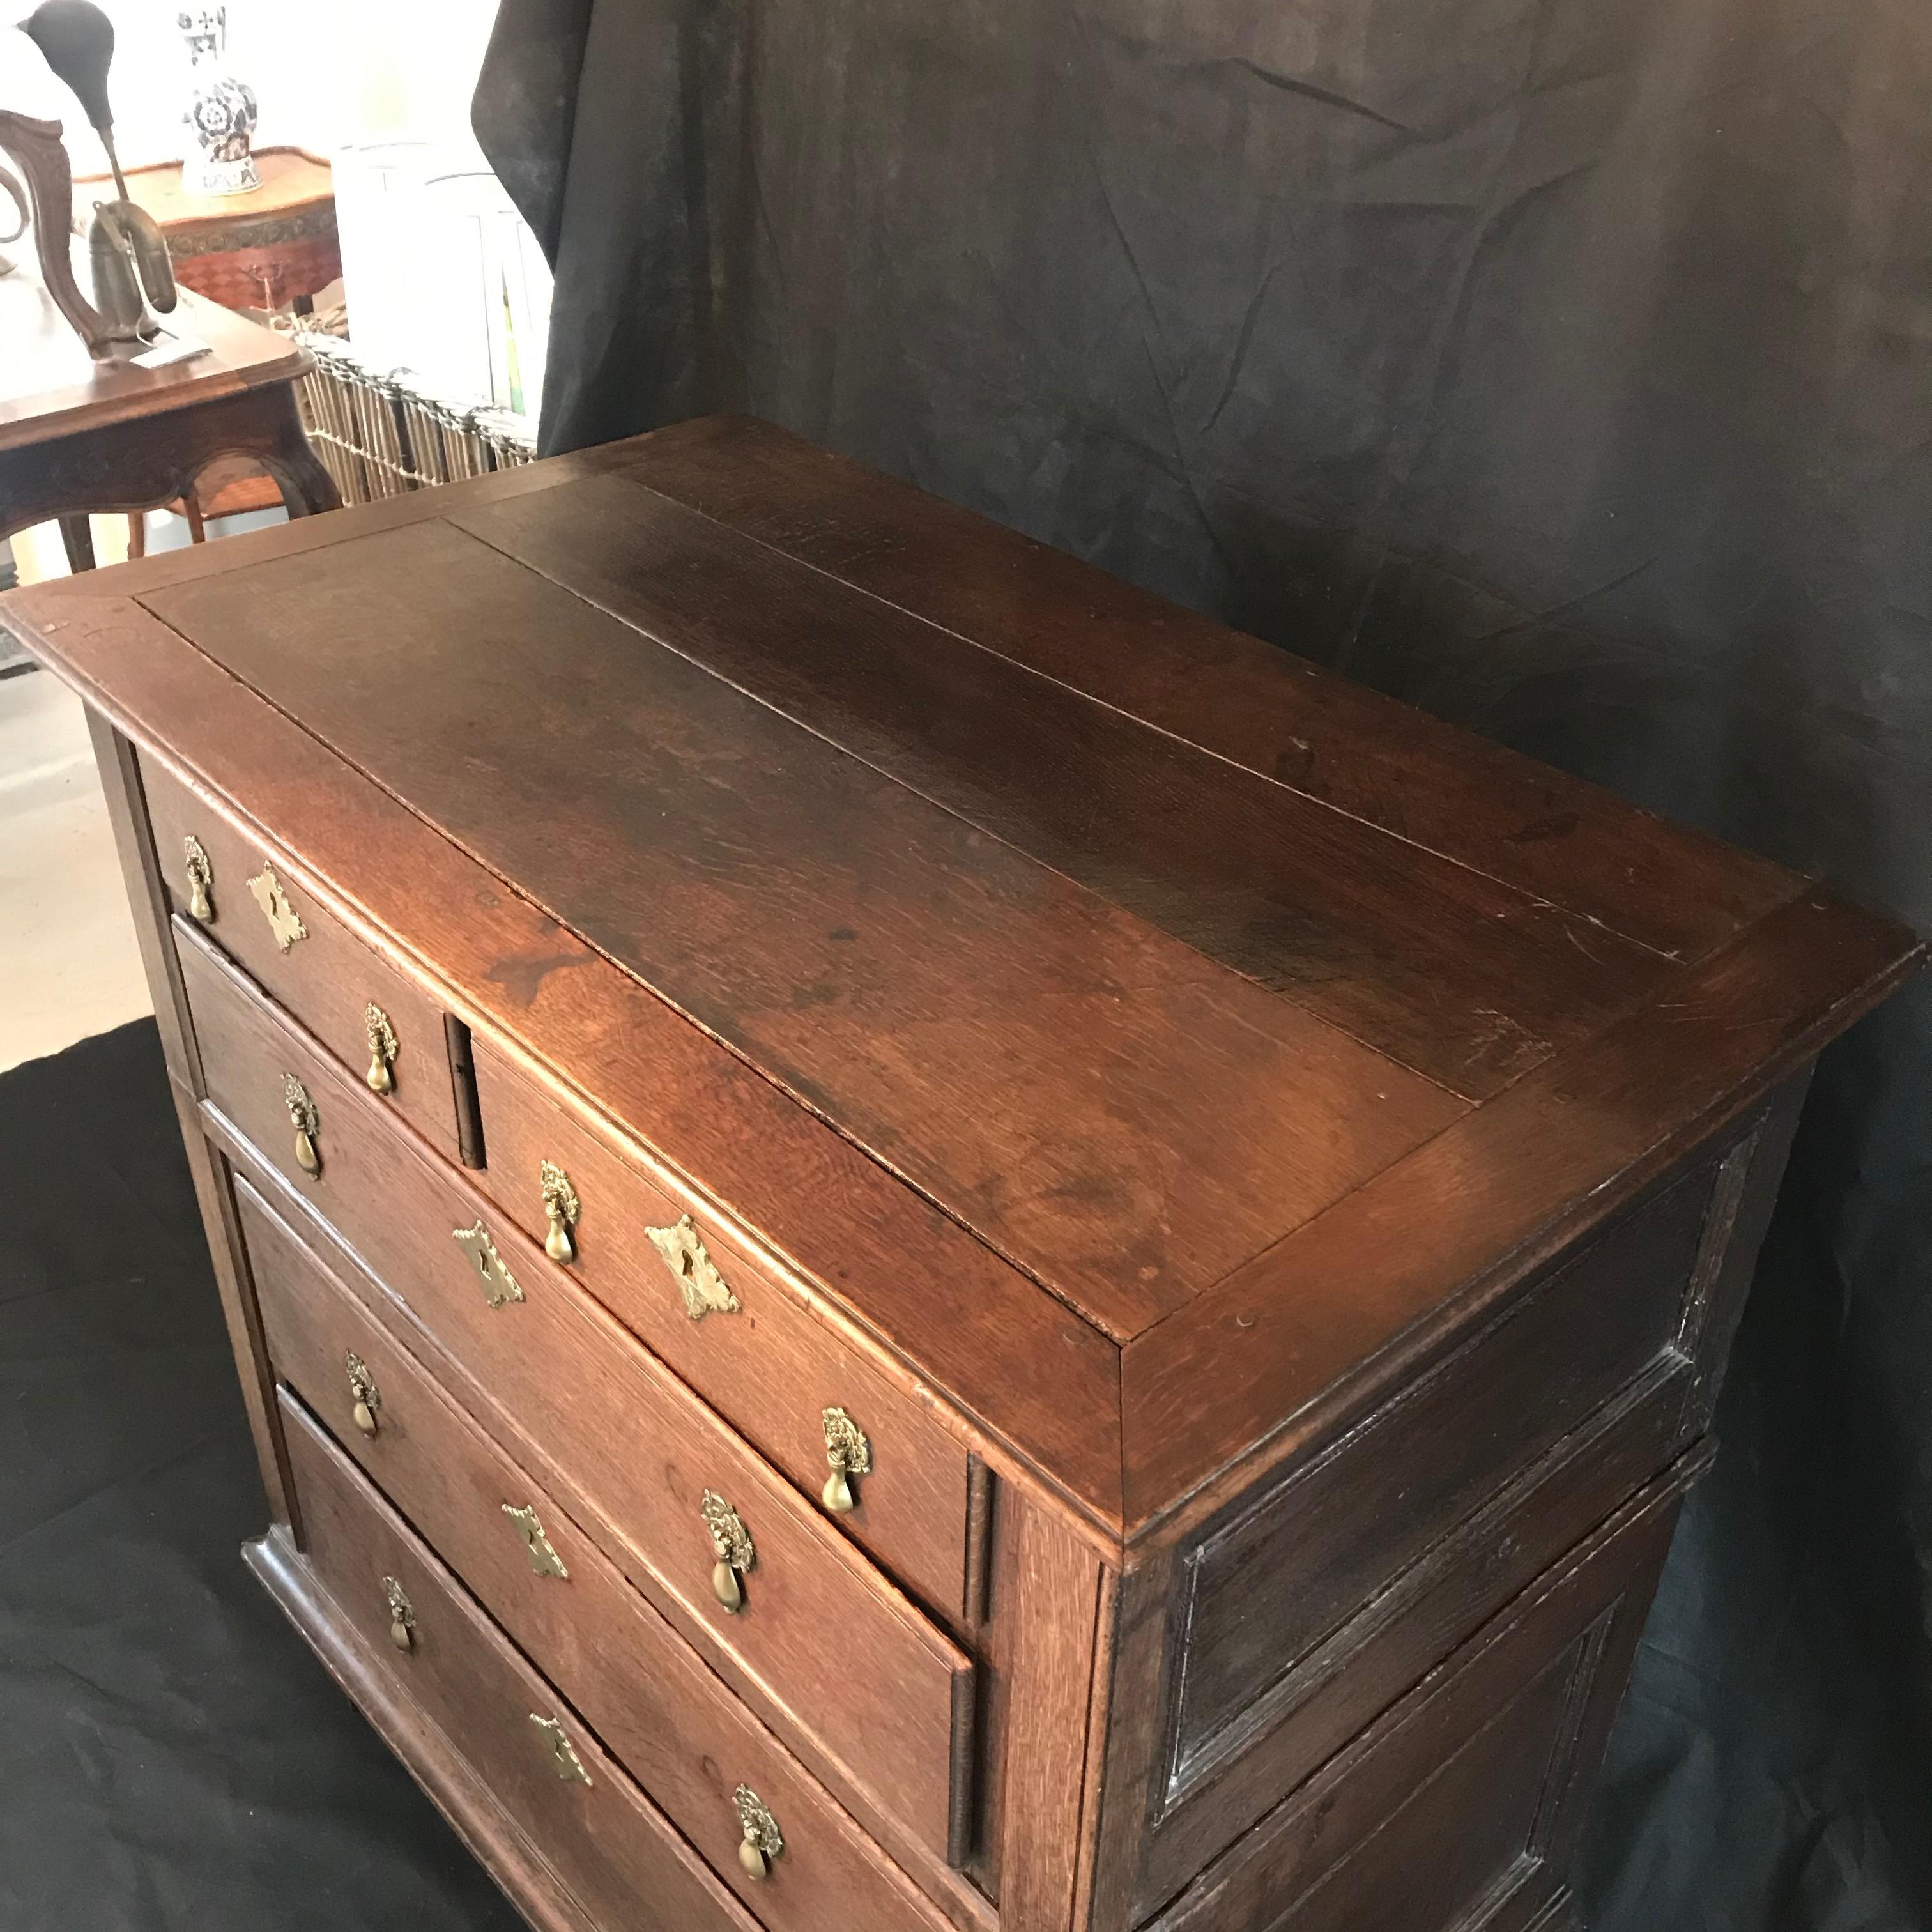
(69, 962)
(70, 966)
(172, 1755)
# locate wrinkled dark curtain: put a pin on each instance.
(1565, 366)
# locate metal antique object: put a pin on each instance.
(732, 1542)
(200, 879)
(850, 1455)
(366, 1396)
(567, 1764)
(133, 275)
(561, 1209)
(402, 1615)
(762, 1840)
(383, 1048)
(499, 1284)
(306, 1122)
(284, 920)
(544, 1560)
(705, 1291)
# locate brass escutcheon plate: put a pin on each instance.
(564, 1759)
(284, 920)
(499, 1284)
(706, 1290)
(544, 1560)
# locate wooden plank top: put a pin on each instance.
(295, 184)
(49, 386)
(1252, 1022)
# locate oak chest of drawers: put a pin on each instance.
(915, 1242)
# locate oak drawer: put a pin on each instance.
(717, 1311)
(327, 977)
(606, 1840)
(641, 1688)
(623, 1433)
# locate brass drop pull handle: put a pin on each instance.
(544, 1561)
(402, 1615)
(731, 1543)
(200, 881)
(763, 1841)
(307, 1123)
(383, 1048)
(563, 1757)
(363, 1392)
(850, 1455)
(561, 1210)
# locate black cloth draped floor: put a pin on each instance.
(1564, 366)
(171, 1753)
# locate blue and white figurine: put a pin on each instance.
(221, 112)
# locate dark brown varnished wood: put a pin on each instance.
(1354, 924)
(646, 1449)
(643, 1692)
(816, 916)
(327, 978)
(1514, 821)
(359, 1665)
(887, 1262)
(1275, 1178)
(769, 1366)
(614, 1852)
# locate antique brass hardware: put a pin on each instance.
(402, 1615)
(561, 1209)
(284, 920)
(363, 1393)
(850, 1455)
(705, 1290)
(383, 1048)
(763, 1840)
(567, 1764)
(544, 1560)
(200, 881)
(499, 1285)
(307, 1123)
(732, 1542)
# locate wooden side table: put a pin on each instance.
(267, 250)
(80, 438)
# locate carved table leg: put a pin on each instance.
(307, 488)
(78, 536)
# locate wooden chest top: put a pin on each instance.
(1181, 1041)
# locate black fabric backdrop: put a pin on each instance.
(1565, 366)
(172, 1755)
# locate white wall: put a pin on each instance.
(353, 70)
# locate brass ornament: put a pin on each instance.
(850, 1455)
(499, 1285)
(705, 1291)
(284, 920)
(731, 1543)
(402, 1615)
(561, 1209)
(307, 1123)
(363, 1392)
(564, 1759)
(544, 1560)
(383, 1048)
(200, 881)
(763, 1841)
